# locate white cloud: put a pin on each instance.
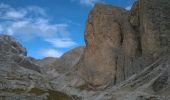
(8, 12)
(1, 29)
(128, 7)
(50, 53)
(37, 10)
(38, 28)
(2, 5)
(62, 42)
(31, 22)
(15, 14)
(71, 22)
(88, 2)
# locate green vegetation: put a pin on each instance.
(53, 95)
(56, 95)
(17, 91)
(36, 91)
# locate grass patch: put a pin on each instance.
(53, 95)
(36, 91)
(17, 91)
(56, 95)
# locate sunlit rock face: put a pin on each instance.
(111, 46)
(121, 43)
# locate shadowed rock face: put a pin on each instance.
(151, 19)
(121, 43)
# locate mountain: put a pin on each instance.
(45, 62)
(68, 60)
(126, 57)
(20, 78)
(130, 48)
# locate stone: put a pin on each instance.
(20, 77)
(68, 60)
(154, 26)
(45, 62)
(121, 43)
(8, 43)
(126, 57)
(110, 39)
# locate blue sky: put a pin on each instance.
(49, 27)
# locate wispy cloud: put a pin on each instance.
(62, 43)
(1, 29)
(128, 7)
(50, 53)
(32, 22)
(15, 14)
(88, 2)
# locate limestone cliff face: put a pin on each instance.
(120, 43)
(154, 26)
(109, 38)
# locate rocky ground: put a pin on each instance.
(126, 57)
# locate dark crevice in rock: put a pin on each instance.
(121, 35)
(139, 48)
(116, 72)
(124, 76)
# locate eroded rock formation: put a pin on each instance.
(111, 43)
(20, 77)
(120, 43)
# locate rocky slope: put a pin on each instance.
(68, 60)
(45, 62)
(126, 57)
(20, 78)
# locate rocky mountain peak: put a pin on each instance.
(121, 43)
(8, 43)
